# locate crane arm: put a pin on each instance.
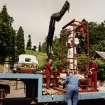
(55, 17)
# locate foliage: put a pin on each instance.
(101, 69)
(7, 36)
(20, 41)
(34, 48)
(101, 63)
(42, 59)
(44, 44)
(57, 48)
(97, 36)
(30, 52)
(39, 47)
(83, 61)
(100, 46)
(101, 74)
(6, 20)
(29, 43)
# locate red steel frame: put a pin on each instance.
(86, 32)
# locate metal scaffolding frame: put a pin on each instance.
(78, 27)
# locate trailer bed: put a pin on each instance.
(55, 94)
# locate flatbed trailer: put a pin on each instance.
(38, 80)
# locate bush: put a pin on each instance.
(83, 61)
(101, 67)
(101, 74)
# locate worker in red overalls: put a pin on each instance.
(48, 69)
(93, 73)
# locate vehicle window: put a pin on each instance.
(27, 60)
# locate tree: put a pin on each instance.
(44, 44)
(34, 48)
(7, 35)
(97, 32)
(99, 47)
(39, 48)
(29, 43)
(20, 41)
(5, 18)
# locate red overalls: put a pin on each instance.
(93, 77)
(48, 74)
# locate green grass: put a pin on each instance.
(40, 55)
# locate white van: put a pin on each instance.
(24, 58)
(26, 63)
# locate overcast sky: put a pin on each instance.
(34, 15)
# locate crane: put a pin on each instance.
(55, 17)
